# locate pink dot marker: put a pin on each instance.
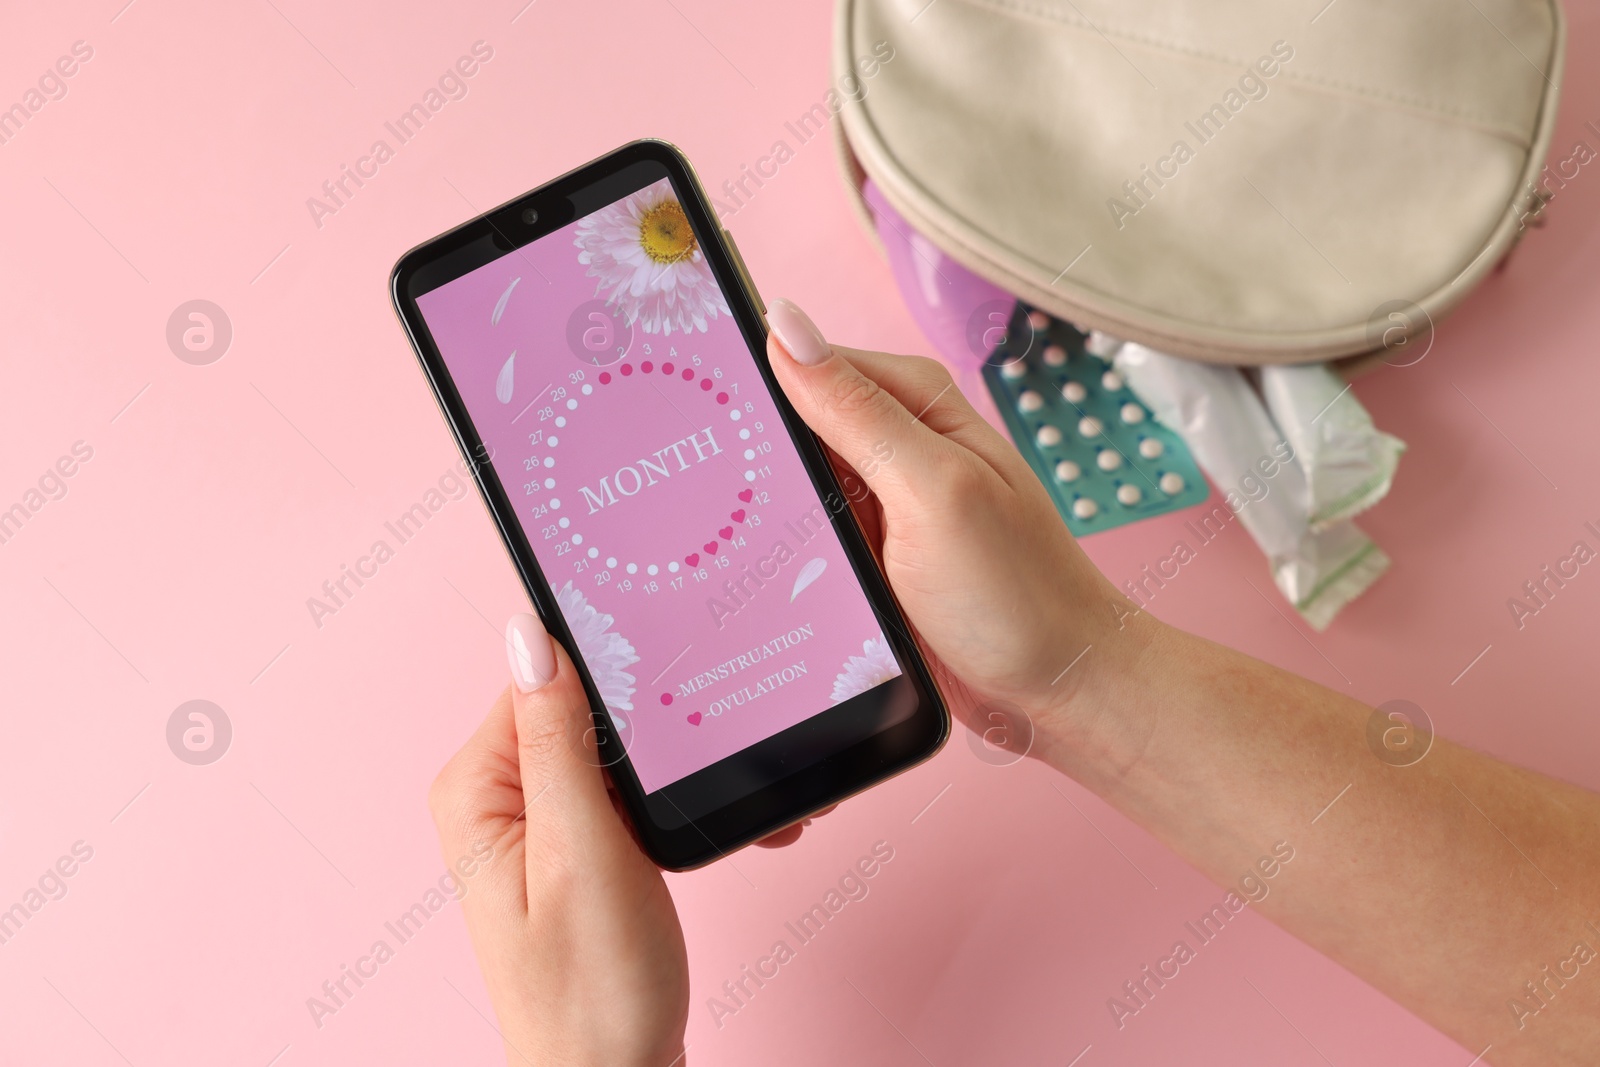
(722, 398)
(666, 698)
(605, 378)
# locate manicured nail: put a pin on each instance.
(797, 333)
(533, 659)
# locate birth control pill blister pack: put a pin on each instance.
(1105, 460)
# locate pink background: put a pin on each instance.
(607, 421)
(178, 565)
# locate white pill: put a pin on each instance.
(1074, 393)
(1084, 508)
(1150, 448)
(1055, 356)
(1129, 495)
(1109, 459)
(1171, 483)
(1048, 436)
(1038, 320)
(1030, 401)
(1067, 471)
(1014, 370)
(1090, 426)
(1111, 380)
(1132, 413)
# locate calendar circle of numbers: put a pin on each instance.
(588, 416)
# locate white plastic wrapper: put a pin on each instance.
(1349, 462)
(1227, 428)
(1100, 344)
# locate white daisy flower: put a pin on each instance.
(605, 652)
(649, 264)
(872, 668)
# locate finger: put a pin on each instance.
(926, 389)
(863, 501)
(790, 834)
(570, 818)
(864, 423)
(787, 836)
(477, 795)
(852, 382)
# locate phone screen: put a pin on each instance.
(628, 422)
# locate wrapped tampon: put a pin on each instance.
(1101, 344)
(1228, 430)
(1349, 462)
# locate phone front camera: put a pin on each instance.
(529, 216)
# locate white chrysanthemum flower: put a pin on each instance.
(872, 668)
(649, 263)
(606, 653)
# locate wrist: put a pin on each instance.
(1095, 720)
(588, 1052)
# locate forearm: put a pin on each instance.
(1448, 884)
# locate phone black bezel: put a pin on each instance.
(790, 795)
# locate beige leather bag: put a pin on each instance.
(1238, 181)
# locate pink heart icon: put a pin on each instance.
(694, 718)
(737, 516)
(692, 559)
(726, 533)
(746, 494)
(711, 547)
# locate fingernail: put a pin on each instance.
(797, 333)
(533, 660)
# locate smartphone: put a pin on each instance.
(599, 353)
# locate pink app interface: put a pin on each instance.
(691, 556)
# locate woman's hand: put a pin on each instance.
(1231, 762)
(578, 939)
(996, 588)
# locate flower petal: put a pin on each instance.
(502, 384)
(808, 574)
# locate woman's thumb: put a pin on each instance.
(858, 418)
(555, 743)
